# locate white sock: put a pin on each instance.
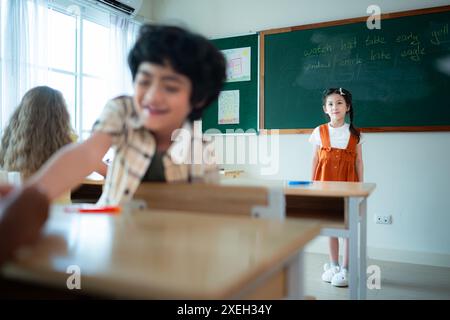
(334, 264)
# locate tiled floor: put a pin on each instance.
(398, 281)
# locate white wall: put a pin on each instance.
(411, 170)
(221, 18)
(145, 12)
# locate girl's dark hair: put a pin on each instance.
(348, 100)
(187, 53)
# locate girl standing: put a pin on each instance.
(337, 157)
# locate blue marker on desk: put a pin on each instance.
(299, 183)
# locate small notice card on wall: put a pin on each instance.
(229, 107)
(238, 64)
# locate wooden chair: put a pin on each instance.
(207, 198)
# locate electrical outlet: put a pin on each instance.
(383, 219)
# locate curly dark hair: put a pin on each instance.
(187, 53)
(348, 100)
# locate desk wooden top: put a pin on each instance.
(159, 254)
(317, 188)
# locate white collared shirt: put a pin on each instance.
(339, 137)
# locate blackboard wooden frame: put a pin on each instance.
(262, 128)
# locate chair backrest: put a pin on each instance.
(208, 198)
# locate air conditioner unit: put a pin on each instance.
(128, 7)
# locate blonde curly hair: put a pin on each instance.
(38, 128)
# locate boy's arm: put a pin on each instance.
(102, 169)
(315, 161)
(359, 163)
(70, 165)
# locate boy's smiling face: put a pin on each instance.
(162, 97)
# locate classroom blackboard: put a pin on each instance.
(248, 90)
(399, 75)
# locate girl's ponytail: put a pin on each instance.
(353, 129)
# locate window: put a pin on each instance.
(95, 47)
(83, 55)
(62, 58)
(78, 66)
(2, 32)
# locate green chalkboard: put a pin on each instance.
(248, 90)
(399, 75)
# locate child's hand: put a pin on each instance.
(5, 189)
(23, 212)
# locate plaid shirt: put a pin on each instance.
(135, 146)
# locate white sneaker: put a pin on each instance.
(330, 272)
(340, 279)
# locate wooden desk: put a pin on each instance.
(248, 201)
(159, 254)
(341, 206)
(90, 190)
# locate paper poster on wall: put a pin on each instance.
(229, 107)
(238, 64)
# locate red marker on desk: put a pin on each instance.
(94, 209)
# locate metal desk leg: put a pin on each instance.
(363, 250)
(353, 209)
(295, 278)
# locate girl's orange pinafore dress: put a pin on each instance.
(336, 164)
